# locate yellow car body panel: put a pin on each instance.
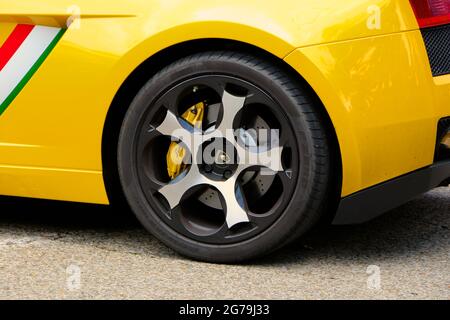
(374, 80)
(385, 103)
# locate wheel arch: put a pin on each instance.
(136, 80)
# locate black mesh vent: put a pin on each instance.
(437, 41)
(442, 153)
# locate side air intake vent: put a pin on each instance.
(437, 41)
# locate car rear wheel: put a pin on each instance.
(224, 157)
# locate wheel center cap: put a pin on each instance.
(219, 159)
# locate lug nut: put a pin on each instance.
(227, 174)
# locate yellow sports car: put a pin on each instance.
(229, 127)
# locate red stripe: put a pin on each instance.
(14, 41)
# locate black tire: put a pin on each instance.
(307, 204)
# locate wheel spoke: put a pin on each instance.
(255, 157)
(235, 213)
(172, 127)
(174, 192)
(271, 159)
(231, 106)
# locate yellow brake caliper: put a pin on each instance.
(177, 153)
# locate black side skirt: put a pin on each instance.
(373, 202)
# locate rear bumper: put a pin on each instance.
(366, 205)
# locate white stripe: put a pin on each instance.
(24, 58)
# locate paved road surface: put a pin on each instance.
(59, 250)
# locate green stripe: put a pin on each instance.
(31, 72)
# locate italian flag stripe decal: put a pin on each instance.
(15, 39)
(21, 56)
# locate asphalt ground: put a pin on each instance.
(54, 250)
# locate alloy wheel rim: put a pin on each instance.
(240, 205)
